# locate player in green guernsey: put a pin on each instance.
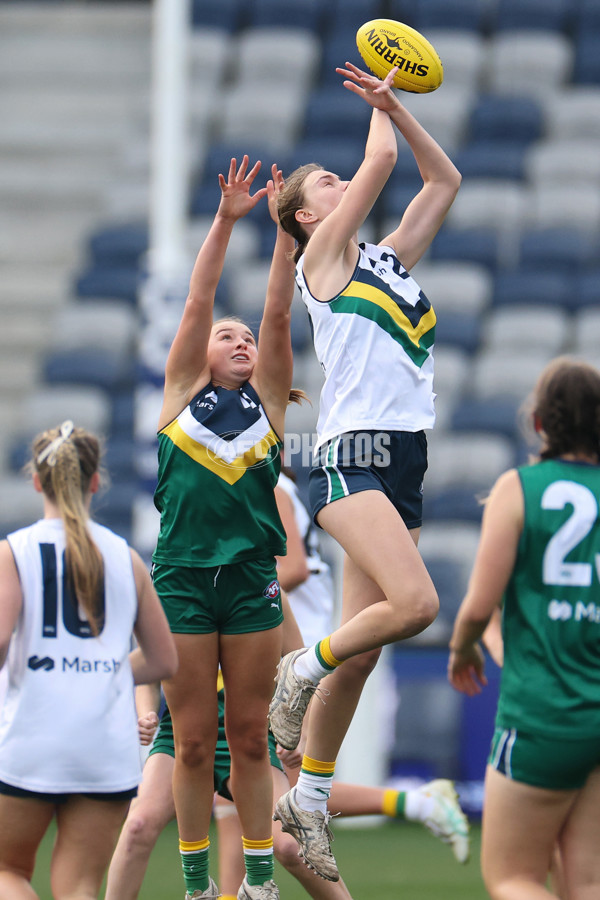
(539, 556)
(219, 432)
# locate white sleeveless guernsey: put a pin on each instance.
(311, 601)
(68, 723)
(374, 342)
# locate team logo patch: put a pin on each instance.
(35, 663)
(272, 590)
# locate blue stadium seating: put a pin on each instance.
(119, 245)
(338, 155)
(492, 159)
(109, 282)
(566, 249)
(284, 13)
(538, 286)
(225, 14)
(497, 415)
(460, 15)
(506, 118)
(334, 112)
(537, 15)
(587, 58)
(467, 245)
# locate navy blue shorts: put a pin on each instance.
(394, 462)
(10, 791)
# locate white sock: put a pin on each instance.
(417, 806)
(307, 666)
(312, 792)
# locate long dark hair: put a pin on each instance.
(566, 408)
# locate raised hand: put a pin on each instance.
(376, 92)
(236, 199)
(274, 186)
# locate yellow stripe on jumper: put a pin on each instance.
(381, 299)
(228, 471)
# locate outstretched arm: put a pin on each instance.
(187, 366)
(11, 598)
(441, 179)
(274, 366)
(500, 532)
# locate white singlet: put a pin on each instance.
(374, 342)
(311, 601)
(68, 723)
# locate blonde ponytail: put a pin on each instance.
(65, 459)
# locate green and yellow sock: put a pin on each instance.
(258, 859)
(325, 656)
(314, 784)
(393, 803)
(316, 662)
(194, 862)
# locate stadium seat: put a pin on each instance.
(461, 459)
(89, 366)
(332, 112)
(511, 328)
(564, 160)
(282, 56)
(118, 245)
(489, 203)
(454, 286)
(349, 15)
(587, 59)
(225, 14)
(587, 17)
(541, 286)
(496, 416)
(540, 62)
(564, 204)
(549, 15)
(491, 159)
(248, 287)
(461, 15)
(454, 503)
(458, 330)
(272, 115)
(109, 326)
(49, 405)
(20, 506)
(586, 330)
(109, 282)
(339, 155)
(443, 113)
(567, 249)
(451, 539)
(462, 54)
(585, 291)
(307, 15)
(466, 245)
(505, 374)
(573, 112)
(506, 118)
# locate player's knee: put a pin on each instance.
(142, 831)
(249, 743)
(194, 752)
(358, 668)
(285, 849)
(423, 608)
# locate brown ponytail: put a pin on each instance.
(65, 459)
(289, 201)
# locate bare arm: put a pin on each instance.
(492, 638)
(441, 181)
(500, 532)
(147, 703)
(187, 367)
(292, 569)
(11, 598)
(331, 252)
(155, 657)
(274, 365)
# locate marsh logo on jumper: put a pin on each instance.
(272, 590)
(560, 610)
(45, 663)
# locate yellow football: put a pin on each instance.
(383, 44)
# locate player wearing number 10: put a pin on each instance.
(539, 555)
(71, 595)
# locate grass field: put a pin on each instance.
(386, 862)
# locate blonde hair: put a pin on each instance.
(290, 200)
(65, 459)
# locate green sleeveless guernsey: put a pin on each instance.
(218, 464)
(551, 617)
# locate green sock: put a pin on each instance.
(258, 859)
(194, 862)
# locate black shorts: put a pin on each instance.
(10, 791)
(394, 462)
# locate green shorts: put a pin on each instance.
(546, 762)
(164, 743)
(236, 599)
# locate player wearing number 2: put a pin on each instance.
(539, 555)
(71, 595)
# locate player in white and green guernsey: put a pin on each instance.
(219, 435)
(373, 334)
(539, 555)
